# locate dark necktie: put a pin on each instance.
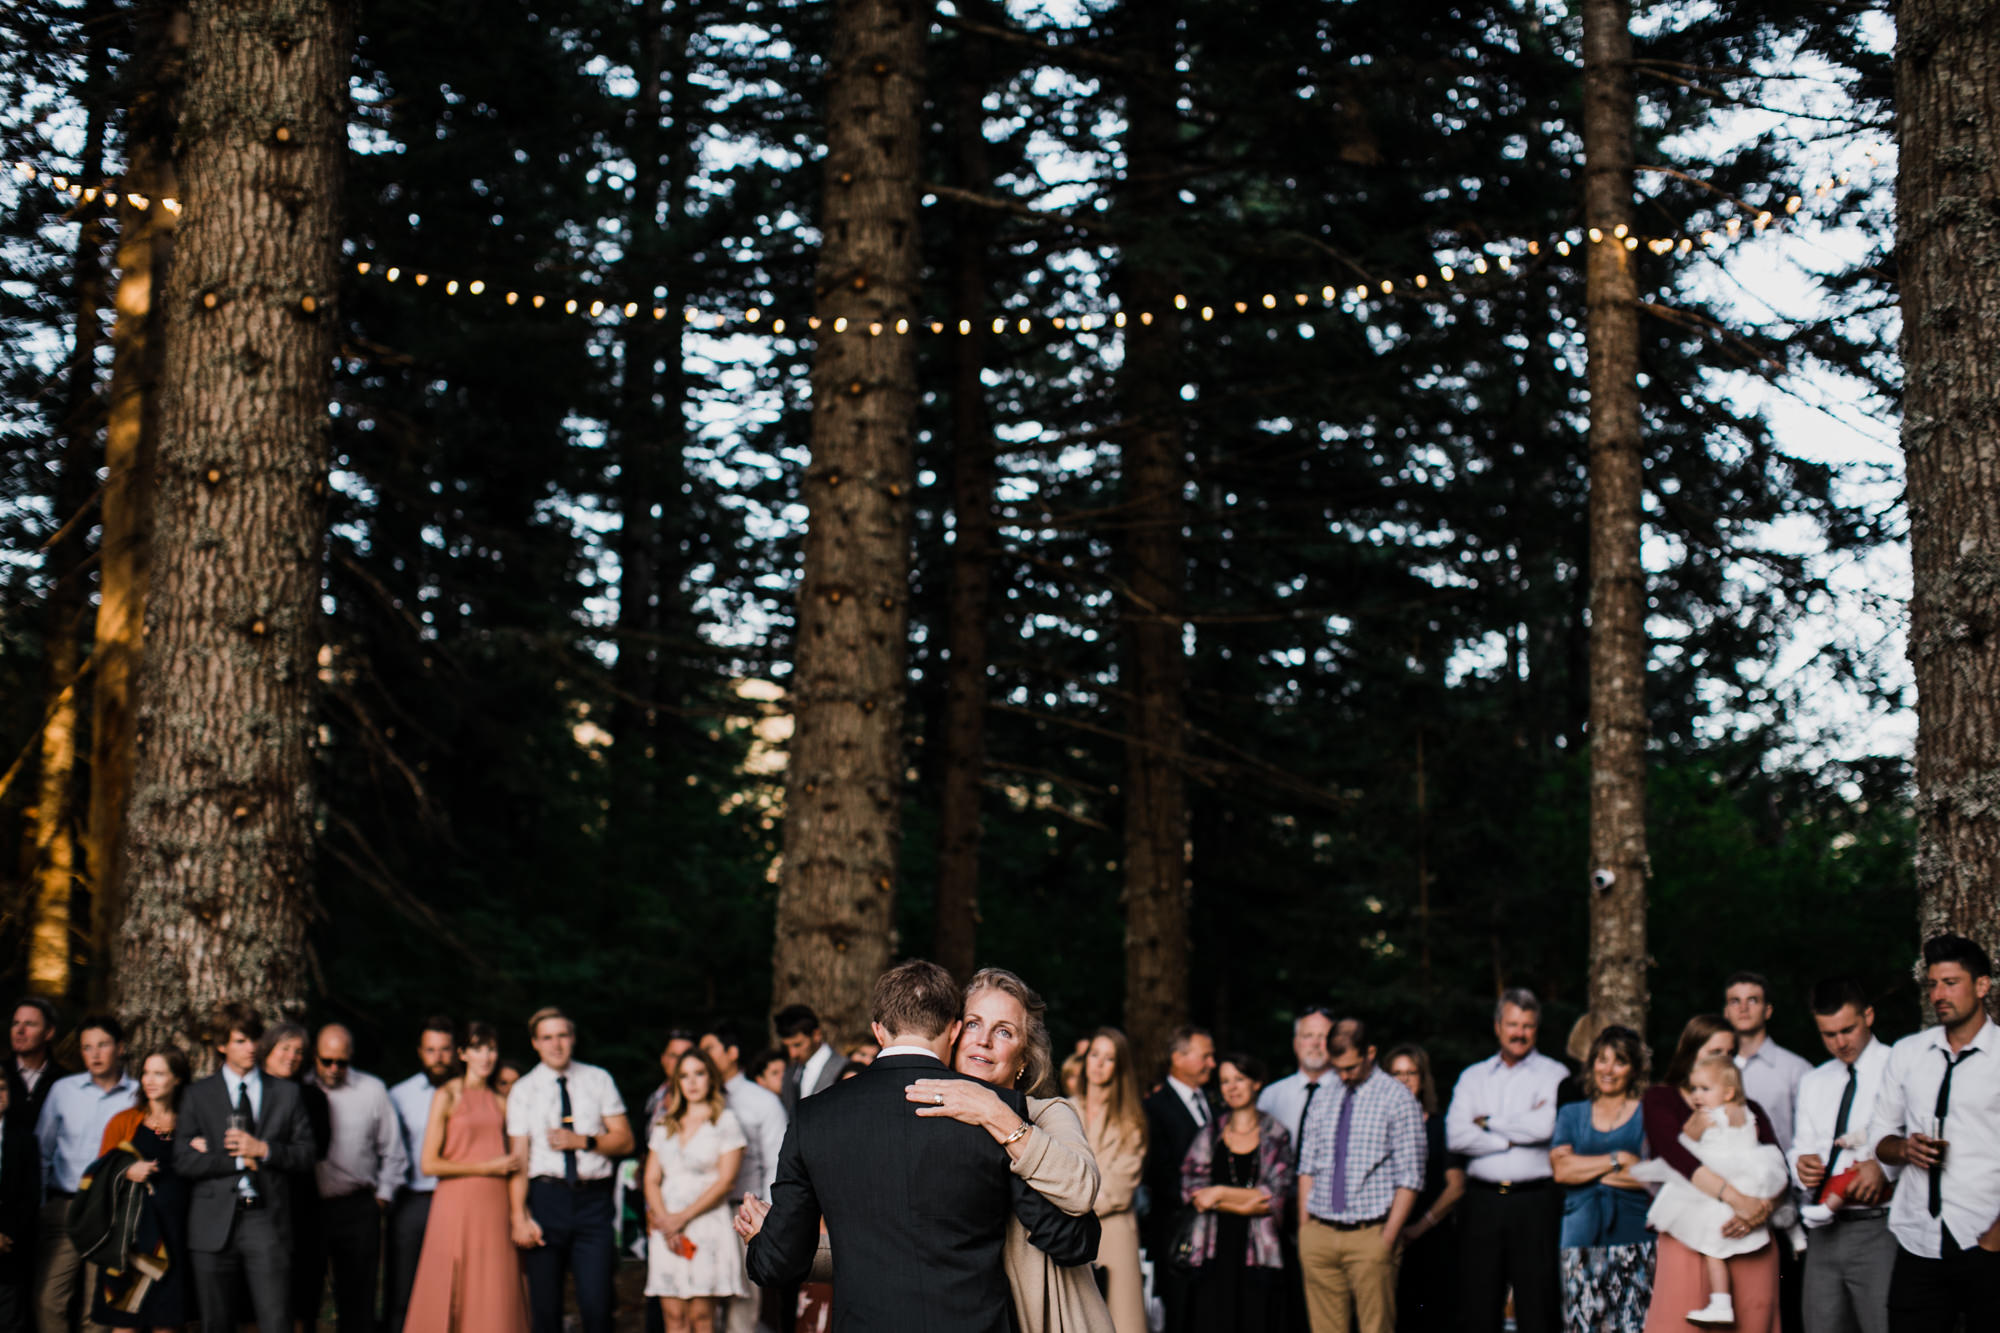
(1338, 1201)
(1305, 1114)
(1839, 1128)
(570, 1176)
(243, 1107)
(1198, 1108)
(1951, 1064)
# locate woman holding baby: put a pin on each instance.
(1717, 1258)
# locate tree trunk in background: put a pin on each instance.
(1152, 521)
(131, 441)
(1618, 722)
(837, 894)
(1948, 255)
(60, 898)
(650, 435)
(220, 832)
(974, 475)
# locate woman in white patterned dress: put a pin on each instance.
(693, 1257)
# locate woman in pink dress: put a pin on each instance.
(469, 1274)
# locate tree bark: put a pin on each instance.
(60, 897)
(131, 443)
(219, 837)
(649, 433)
(973, 480)
(1618, 721)
(1153, 518)
(1948, 258)
(836, 896)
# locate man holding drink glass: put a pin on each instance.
(1938, 1116)
(241, 1135)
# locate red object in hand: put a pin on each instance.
(682, 1246)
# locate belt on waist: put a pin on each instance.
(1510, 1186)
(1859, 1214)
(1362, 1225)
(62, 1194)
(581, 1186)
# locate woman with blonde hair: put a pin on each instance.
(1005, 1041)
(1114, 1122)
(695, 1148)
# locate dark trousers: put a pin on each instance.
(406, 1246)
(254, 1256)
(1929, 1295)
(351, 1239)
(1174, 1287)
(576, 1238)
(1510, 1240)
(17, 1308)
(1791, 1284)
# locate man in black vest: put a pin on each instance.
(916, 1207)
(1175, 1112)
(240, 1215)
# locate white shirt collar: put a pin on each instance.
(924, 1051)
(1982, 1040)
(1183, 1091)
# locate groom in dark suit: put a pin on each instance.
(240, 1215)
(1176, 1111)
(916, 1208)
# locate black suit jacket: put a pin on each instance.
(20, 1198)
(1169, 1132)
(25, 1106)
(281, 1123)
(916, 1208)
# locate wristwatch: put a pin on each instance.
(590, 1143)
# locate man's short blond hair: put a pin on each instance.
(543, 1015)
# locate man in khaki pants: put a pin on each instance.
(1360, 1168)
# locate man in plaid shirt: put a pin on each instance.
(1360, 1170)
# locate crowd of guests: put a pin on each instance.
(1745, 1188)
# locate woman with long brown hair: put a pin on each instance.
(1115, 1124)
(693, 1258)
(1679, 1281)
(122, 1300)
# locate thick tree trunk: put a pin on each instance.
(973, 479)
(219, 835)
(649, 434)
(60, 899)
(1948, 255)
(1618, 724)
(1153, 520)
(837, 894)
(131, 442)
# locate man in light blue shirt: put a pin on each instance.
(71, 1135)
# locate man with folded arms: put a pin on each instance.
(1502, 1116)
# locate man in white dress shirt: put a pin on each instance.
(70, 1130)
(437, 1052)
(1939, 1119)
(762, 1116)
(569, 1120)
(1846, 1287)
(1503, 1113)
(1771, 1073)
(1287, 1100)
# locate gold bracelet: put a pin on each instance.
(1019, 1133)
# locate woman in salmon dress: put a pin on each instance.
(469, 1274)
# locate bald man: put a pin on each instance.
(365, 1164)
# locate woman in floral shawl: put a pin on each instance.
(1237, 1175)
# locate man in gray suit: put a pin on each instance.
(814, 1065)
(240, 1215)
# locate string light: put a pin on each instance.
(1785, 206)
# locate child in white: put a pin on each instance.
(1723, 1135)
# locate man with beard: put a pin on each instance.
(1938, 1117)
(437, 1052)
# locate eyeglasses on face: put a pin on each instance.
(331, 1064)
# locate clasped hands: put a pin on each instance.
(237, 1143)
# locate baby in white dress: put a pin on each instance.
(1723, 1135)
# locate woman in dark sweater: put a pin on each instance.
(1678, 1282)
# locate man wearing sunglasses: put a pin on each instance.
(365, 1163)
